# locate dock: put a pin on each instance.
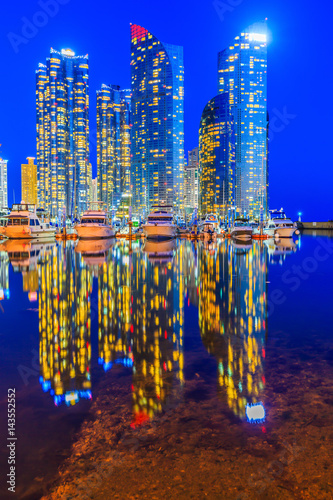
(315, 225)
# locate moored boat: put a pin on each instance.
(94, 224)
(24, 223)
(241, 229)
(284, 227)
(160, 224)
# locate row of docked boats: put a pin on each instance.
(278, 226)
(24, 222)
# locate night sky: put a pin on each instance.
(300, 74)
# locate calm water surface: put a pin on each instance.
(161, 313)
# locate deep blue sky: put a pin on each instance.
(300, 74)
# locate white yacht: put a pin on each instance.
(207, 231)
(24, 223)
(241, 230)
(95, 224)
(210, 227)
(160, 224)
(284, 227)
(269, 229)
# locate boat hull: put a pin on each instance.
(159, 231)
(241, 234)
(23, 233)
(94, 232)
(284, 232)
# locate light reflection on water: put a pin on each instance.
(140, 310)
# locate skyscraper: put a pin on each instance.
(3, 184)
(114, 146)
(157, 121)
(217, 157)
(62, 102)
(29, 181)
(242, 74)
(191, 181)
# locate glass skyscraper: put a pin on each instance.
(62, 102)
(114, 147)
(157, 75)
(3, 184)
(242, 75)
(217, 157)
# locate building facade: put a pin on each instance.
(216, 157)
(3, 184)
(29, 181)
(114, 147)
(191, 181)
(242, 75)
(62, 103)
(94, 190)
(157, 76)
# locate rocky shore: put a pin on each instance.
(197, 448)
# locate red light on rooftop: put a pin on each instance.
(138, 32)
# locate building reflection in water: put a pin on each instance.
(114, 309)
(190, 262)
(141, 297)
(233, 321)
(64, 325)
(4, 273)
(157, 296)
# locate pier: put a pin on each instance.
(316, 225)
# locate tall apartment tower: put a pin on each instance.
(192, 181)
(157, 76)
(62, 103)
(3, 184)
(216, 157)
(242, 74)
(114, 146)
(29, 181)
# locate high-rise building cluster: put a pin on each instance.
(234, 130)
(140, 133)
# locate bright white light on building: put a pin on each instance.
(255, 413)
(67, 52)
(257, 37)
